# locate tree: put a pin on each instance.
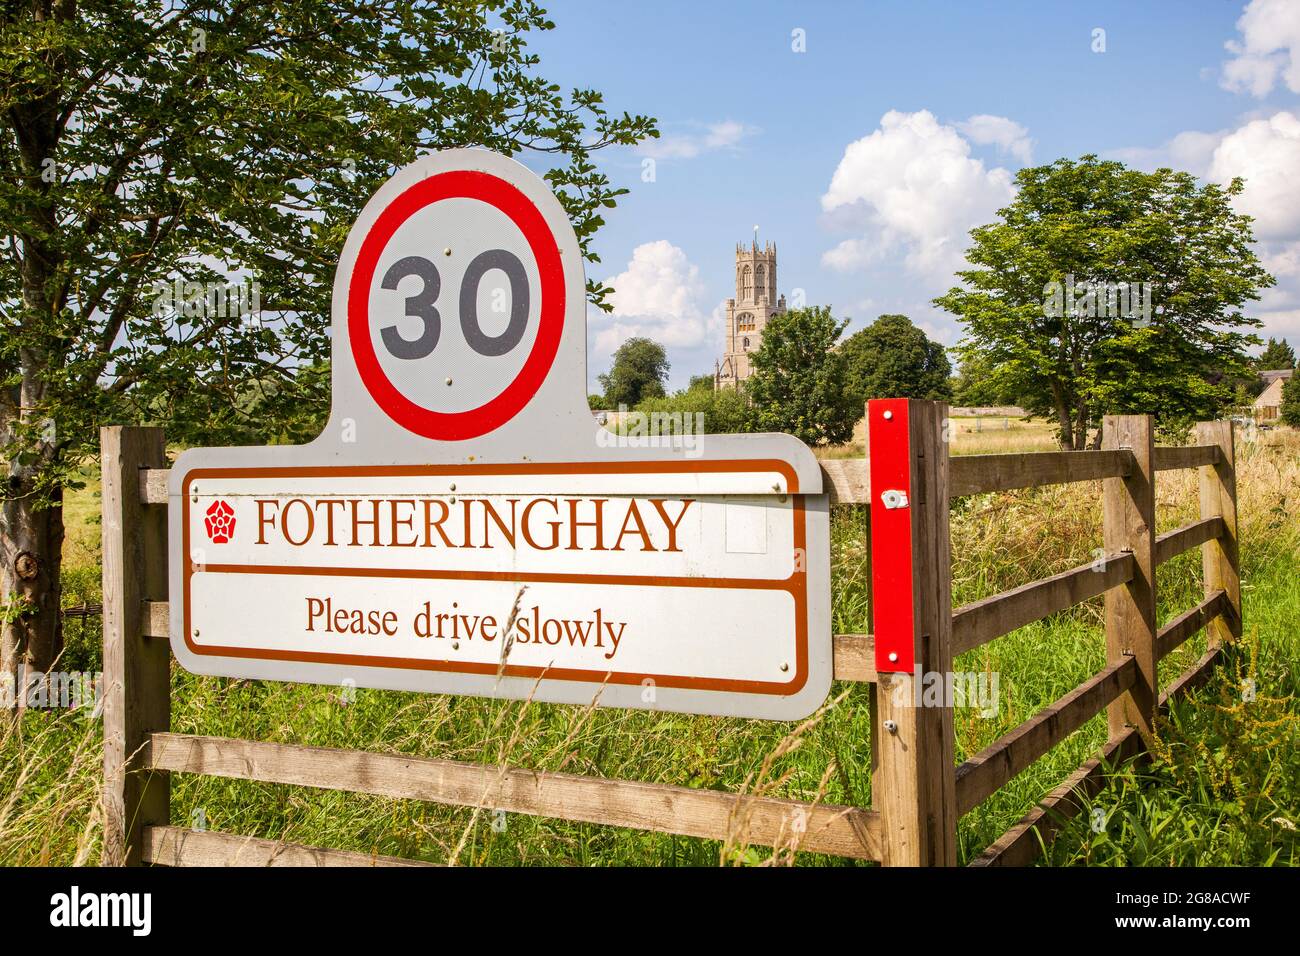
(639, 371)
(800, 381)
(1104, 289)
(892, 358)
(146, 144)
(1277, 354)
(1290, 410)
(723, 411)
(699, 382)
(976, 384)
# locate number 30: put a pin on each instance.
(421, 305)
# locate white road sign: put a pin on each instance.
(463, 525)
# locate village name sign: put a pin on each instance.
(460, 527)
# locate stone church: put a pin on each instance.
(756, 301)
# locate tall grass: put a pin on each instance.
(1221, 789)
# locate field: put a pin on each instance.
(1225, 789)
(972, 436)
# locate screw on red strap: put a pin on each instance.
(890, 464)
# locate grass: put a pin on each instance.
(1223, 789)
(971, 436)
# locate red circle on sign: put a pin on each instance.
(496, 192)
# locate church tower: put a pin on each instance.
(755, 303)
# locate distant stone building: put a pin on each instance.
(1269, 404)
(756, 301)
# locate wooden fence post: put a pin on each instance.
(137, 696)
(1219, 558)
(915, 771)
(1129, 525)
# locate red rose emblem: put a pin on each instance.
(220, 522)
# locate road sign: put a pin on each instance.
(463, 525)
(450, 386)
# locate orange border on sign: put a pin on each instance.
(796, 584)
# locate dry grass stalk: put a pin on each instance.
(794, 830)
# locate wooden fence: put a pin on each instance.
(81, 624)
(918, 791)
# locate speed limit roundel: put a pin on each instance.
(456, 305)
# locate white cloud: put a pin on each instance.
(1284, 263)
(1269, 49)
(660, 296)
(1264, 150)
(1266, 153)
(1191, 151)
(702, 138)
(853, 254)
(911, 186)
(1279, 307)
(1007, 135)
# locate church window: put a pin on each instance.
(746, 343)
(746, 283)
(761, 282)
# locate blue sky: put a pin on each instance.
(868, 156)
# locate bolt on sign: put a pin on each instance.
(463, 525)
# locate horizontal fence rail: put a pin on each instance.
(848, 482)
(1013, 752)
(1173, 543)
(178, 846)
(1186, 456)
(153, 485)
(1177, 631)
(855, 657)
(141, 752)
(83, 610)
(977, 623)
(686, 811)
(977, 474)
(1021, 844)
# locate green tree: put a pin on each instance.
(724, 411)
(1104, 289)
(800, 381)
(144, 143)
(977, 384)
(892, 358)
(1290, 410)
(639, 371)
(1277, 354)
(700, 381)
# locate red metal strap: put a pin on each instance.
(890, 463)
